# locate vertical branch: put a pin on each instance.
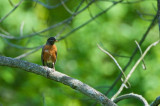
(133, 69)
(158, 15)
(21, 28)
(43, 97)
(133, 54)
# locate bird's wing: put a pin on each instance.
(56, 57)
(42, 56)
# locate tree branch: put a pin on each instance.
(52, 26)
(132, 95)
(90, 20)
(57, 76)
(48, 6)
(133, 69)
(158, 5)
(133, 54)
(116, 62)
(144, 66)
(28, 53)
(67, 9)
(18, 46)
(156, 102)
(3, 18)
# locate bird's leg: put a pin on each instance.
(53, 67)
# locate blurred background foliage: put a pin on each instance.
(78, 54)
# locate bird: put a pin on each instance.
(49, 53)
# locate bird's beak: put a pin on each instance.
(56, 40)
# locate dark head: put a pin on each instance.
(51, 40)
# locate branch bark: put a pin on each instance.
(57, 76)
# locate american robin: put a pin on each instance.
(49, 53)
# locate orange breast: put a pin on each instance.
(49, 53)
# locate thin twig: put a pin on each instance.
(90, 20)
(144, 66)
(67, 9)
(19, 47)
(80, 4)
(90, 13)
(21, 28)
(133, 54)
(114, 54)
(142, 16)
(133, 69)
(28, 53)
(4, 31)
(7, 36)
(61, 31)
(3, 18)
(132, 95)
(47, 5)
(36, 33)
(120, 68)
(128, 2)
(64, 27)
(52, 26)
(145, 14)
(10, 1)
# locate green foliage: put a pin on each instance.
(78, 54)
